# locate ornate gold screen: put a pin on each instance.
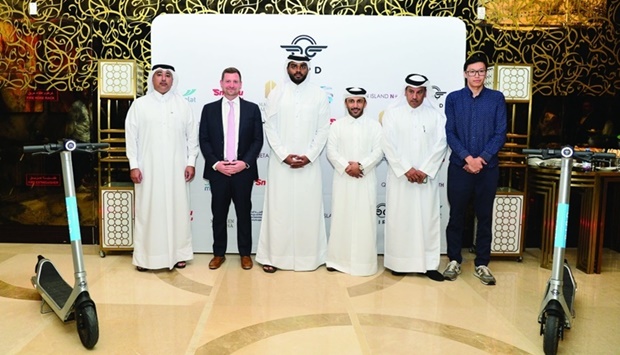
(58, 48)
(544, 13)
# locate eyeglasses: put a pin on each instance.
(481, 72)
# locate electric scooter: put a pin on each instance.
(557, 308)
(67, 302)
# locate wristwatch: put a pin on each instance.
(361, 167)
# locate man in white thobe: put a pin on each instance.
(292, 235)
(354, 149)
(162, 146)
(414, 143)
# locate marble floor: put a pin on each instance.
(232, 311)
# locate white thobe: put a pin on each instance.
(162, 140)
(292, 235)
(352, 245)
(413, 138)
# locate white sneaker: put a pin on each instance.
(453, 269)
(484, 274)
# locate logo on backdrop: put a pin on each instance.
(381, 213)
(382, 96)
(219, 92)
(438, 94)
(257, 216)
(330, 95)
(303, 45)
(189, 95)
(306, 46)
(230, 222)
(260, 182)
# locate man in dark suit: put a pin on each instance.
(231, 137)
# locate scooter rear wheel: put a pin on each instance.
(87, 324)
(552, 334)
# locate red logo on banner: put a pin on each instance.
(42, 95)
(260, 182)
(43, 180)
(218, 92)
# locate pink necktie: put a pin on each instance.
(231, 144)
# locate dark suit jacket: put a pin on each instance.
(249, 141)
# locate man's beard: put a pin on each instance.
(297, 81)
(361, 112)
(415, 104)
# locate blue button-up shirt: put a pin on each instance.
(475, 126)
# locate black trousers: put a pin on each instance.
(464, 187)
(238, 189)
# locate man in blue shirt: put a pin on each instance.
(476, 131)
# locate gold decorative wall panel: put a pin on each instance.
(573, 45)
(515, 81)
(49, 66)
(544, 13)
(118, 79)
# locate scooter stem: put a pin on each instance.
(561, 224)
(73, 216)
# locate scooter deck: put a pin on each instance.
(53, 284)
(569, 287)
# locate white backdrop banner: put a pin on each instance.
(374, 52)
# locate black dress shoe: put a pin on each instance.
(331, 269)
(434, 275)
(396, 273)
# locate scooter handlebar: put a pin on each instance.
(47, 148)
(68, 145)
(558, 153)
(550, 153)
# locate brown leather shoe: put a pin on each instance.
(246, 262)
(216, 262)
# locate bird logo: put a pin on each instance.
(303, 45)
(438, 92)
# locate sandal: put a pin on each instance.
(269, 269)
(141, 269)
(180, 265)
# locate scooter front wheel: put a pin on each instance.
(552, 334)
(87, 324)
